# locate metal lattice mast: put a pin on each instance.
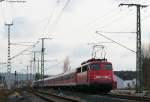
(27, 74)
(30, 82)
(34, 66)
(38, 67)
(139, 70)
(42, 59)
(8, 57)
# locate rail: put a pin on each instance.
(131, 97)
(48, 95)
(55, 98)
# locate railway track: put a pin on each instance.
(129, 97)
(86, 97)
(56, 98)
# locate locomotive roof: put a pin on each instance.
(93, 60)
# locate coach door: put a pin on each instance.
(82, 75)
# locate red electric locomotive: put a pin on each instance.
(97, 74)
(94, 74)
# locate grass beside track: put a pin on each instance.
(4, 94)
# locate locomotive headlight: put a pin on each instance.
(103, 77)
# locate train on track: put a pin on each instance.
(93, 74)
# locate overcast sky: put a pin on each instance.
(72, 25)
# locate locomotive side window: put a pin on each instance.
(84, 68)
(95, 66)
(108, 66)
(79, 70)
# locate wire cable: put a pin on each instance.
(113, 21)
(52, 66)
(101, 18)
(115, 42)
(27, 49)
(131, 25)
(59, 15)
(49, 19)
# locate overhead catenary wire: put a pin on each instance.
(11, 10)
(145, 1)
(103, 17)
(20, 44)
(115, 42)
(146, 17)
(59, 15)
(49, 19)
(11, 7)
(111, 20)
(131, 25)
(27, 49)
(2, 12)
(117, 32)
(52, 66)
(114, 20)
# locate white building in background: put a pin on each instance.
(125, 84)
(130, 83)
(120, 82)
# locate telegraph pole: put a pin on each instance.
(42, 59)
(30, 74)
(34, 66)
(27, 74)
(8, 57)
(38, 66)
(139, 70)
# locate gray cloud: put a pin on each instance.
(22, 28)
(54, 49)
(80, 51)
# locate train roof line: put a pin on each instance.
(66, 73)
(93, 60)
(74, 70)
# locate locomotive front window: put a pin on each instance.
(108, 66)
(95, 66)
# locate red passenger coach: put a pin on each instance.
(93, 74)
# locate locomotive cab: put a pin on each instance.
(100, 74)
(82, 73)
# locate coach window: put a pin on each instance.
(84, 68)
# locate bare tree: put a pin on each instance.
(66, 64)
